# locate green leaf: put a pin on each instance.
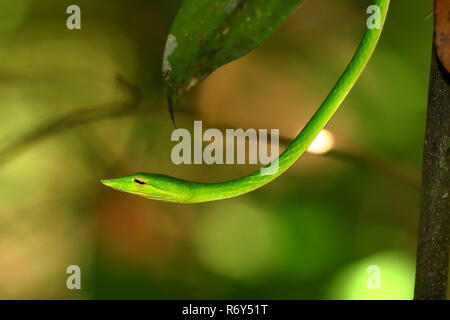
(206, 34)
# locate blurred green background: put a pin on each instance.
(311, 234)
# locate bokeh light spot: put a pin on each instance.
(396, 272)
(323, 143)
(236, 241)
(316, 241)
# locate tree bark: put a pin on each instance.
(434, 223)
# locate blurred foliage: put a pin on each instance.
(311, 234)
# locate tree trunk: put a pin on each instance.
(434, 224)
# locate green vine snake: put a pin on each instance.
(169, 189)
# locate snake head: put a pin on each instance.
(150, 186)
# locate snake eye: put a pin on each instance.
(140, 182)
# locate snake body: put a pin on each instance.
(170, 189)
